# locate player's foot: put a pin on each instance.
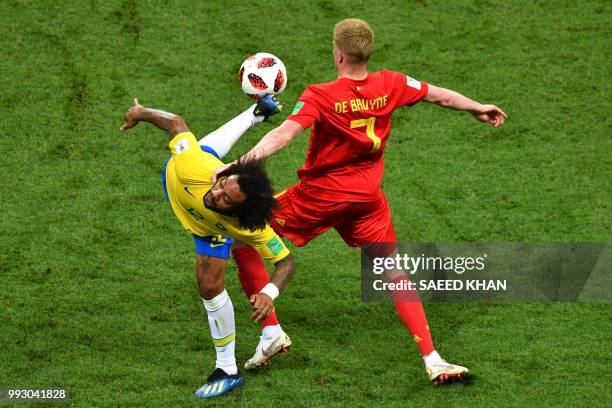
(266, 349)
(267, 106)
(443, 372)
(219, 382)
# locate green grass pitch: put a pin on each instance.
(97, 286)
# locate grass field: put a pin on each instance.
(97, 289)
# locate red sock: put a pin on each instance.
(253, 276)
(413, 316)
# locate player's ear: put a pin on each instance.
(337, 54)
(341, 57)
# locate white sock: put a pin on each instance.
(433, 358)
(223, 330)
(222, 139)
(271, 332)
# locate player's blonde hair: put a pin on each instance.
(355, 38)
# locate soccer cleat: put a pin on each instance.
(443, 372)
(266, 350)
(267, 106)
(219, 382)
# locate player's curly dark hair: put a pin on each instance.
(256, 210)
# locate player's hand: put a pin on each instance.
(132, 115)
(220, 170)
(490, 114)
(262, 306)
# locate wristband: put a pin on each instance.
(271, 290)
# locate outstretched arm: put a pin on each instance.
(171, 123)
(454, 100)
(275, 140)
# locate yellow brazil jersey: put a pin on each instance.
(188, 176)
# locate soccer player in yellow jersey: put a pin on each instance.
(237, 206)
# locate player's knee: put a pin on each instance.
(207, 291)
(209, 286)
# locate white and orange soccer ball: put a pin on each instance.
(262, 74)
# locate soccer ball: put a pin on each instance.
(262, 74)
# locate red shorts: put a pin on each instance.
(303, 217)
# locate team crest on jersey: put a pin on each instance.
(413, 83)
(298, 107)
(220, 226)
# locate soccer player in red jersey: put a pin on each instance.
(340, 183)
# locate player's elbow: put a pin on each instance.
(178, 125)
(289, 264)
(445, 99)
(446, 102)
(440, 96)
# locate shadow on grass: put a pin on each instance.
(466, 381)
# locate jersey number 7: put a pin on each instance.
(369, 125)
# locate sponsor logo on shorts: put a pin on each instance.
(217, 241)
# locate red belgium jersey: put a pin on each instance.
(351, 121)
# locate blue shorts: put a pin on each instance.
(216, 246)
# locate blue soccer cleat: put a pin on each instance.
(267, 106)
(219, 382)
